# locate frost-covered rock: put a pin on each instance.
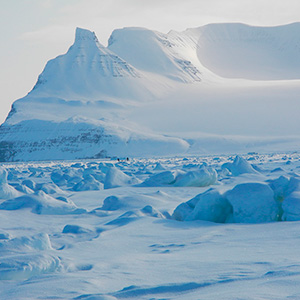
(239, 166)
(205, 176)
(41, 203)
(253, 203)
(116, 178)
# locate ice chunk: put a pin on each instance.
(211, 206)
(152, 212)
(41, 203)
(22, 267)
(280, 187)
(49, 188)
(208, 206)
(111, 203)
(30, 184)
(182, 211)
(116, 178)
(37, 242)
(161, 179)
(159, 167)
(75, 229)
(291, 201)
(239, 166)
(6, 190)
(96, 297)
(22, 188)
(89, 183)
(4, 235)
(253, 203)
(291, 207)
(205, 176)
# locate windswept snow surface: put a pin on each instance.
(108, 229)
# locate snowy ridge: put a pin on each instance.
(85, 69)
(160, 50)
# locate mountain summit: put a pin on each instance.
(87, 69)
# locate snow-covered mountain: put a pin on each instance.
(90, 101)
(166, 54)
(77, 107)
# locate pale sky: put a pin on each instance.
(34, 31)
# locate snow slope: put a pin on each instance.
(155, 52)
(250, 52)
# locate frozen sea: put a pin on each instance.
(198, 227)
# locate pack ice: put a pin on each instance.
(109, 229)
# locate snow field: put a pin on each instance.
(138, 234)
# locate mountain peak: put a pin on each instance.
(85, 35)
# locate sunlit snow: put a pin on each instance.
(139, 235)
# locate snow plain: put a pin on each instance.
(210, 227)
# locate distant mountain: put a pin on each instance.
(82, 103)
(250, 52)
